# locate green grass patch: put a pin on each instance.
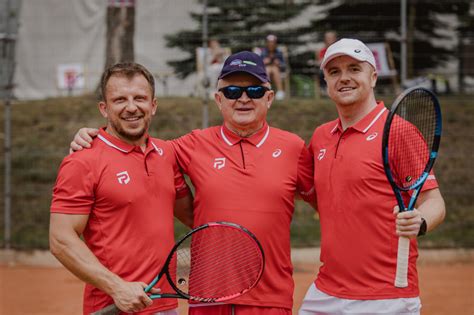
(42, 131)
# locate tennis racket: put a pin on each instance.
(214, 262)
(410, 143)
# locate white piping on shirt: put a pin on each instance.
(107, 142)
(154, 145)
(224, 137)
(370, 125)
(264, 137)
(375, 119)
(258, 145)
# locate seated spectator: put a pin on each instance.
(216, 57)
(275, 65)
(330, 37)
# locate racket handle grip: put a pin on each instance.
(401, 276)
(112, 309)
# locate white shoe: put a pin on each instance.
(279, 95)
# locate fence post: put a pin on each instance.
(8, 31)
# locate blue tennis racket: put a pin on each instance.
(410, 143)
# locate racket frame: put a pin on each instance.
(403, 252)
(183, 295)
(418, 183)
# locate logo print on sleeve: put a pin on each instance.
(123, 177)
(277, 153)
(372, 136)
(322, 153)
(219, 163)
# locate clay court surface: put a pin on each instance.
(447, 287)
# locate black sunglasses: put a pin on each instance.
(235, 92)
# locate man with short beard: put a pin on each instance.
(119, 196)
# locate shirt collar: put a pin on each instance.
(118, 144)
(257, 139)
(365, 123)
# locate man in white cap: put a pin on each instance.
(359, 224)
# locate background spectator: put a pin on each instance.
(275, 64)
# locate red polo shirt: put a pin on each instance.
(252, 182)
(129, 196)
(355, 201)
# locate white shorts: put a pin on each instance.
(319, 303)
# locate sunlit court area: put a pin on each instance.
(54, 53)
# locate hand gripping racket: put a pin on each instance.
(410, 144)
(214, 262)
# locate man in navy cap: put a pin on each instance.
(247, 172)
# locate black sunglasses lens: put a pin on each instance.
(256, 91)
(232, 92)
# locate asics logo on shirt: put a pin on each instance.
(123, 177)
(219, 163)
(372, 136)
(322, 153)
(276, 153)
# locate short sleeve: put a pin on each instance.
(73, 192)
(181, 187)
(305, 181)
(431, 182)
(184, 149)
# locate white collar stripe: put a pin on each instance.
(264, 137)
(258, 145)
(224, 137)
(375, 119)
(110, 144)
(334, 129)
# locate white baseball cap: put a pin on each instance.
(349, 47)
(271, 38)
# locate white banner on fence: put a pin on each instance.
(381, 59)
(71, 77)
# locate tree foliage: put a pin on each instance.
(239, 24)
(243, 24)
(431, 25)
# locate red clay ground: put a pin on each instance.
(446, 289)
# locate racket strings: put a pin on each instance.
(233, 269)
(217, 262)
(411, 138)
(239, 270)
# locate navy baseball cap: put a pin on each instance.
(245, 61)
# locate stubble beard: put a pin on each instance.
(131, 136)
